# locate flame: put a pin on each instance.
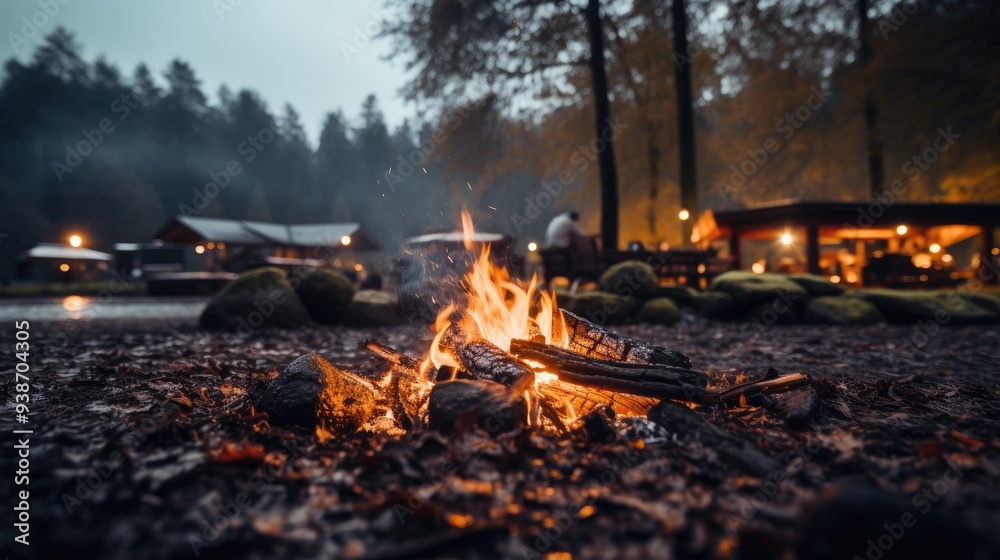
(499, 310)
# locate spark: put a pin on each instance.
(492, 207)
(470, 185)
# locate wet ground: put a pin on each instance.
(147, 445)
(95, 308)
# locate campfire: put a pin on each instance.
(513, 340)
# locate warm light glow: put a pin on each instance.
(75, 240)
(757, 267)
(684, 215)
(221, 245)
(532, 246)
(358, 267)
(499, 310)
(852, 278)
(64, 267)
(835, 279)
(345, 240)
(935, 248)
(210, 245)
(946, 258)
(199, 249)
(786, 238)
(921, 260)
(995, 251)
(901, 230)
(701, 269)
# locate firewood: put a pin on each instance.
(584, 400)
(647, 380)
(596, 341)
(484, 360)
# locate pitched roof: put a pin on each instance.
(64, 252)
(187, 229)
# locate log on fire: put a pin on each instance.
(484, 360)
(595, 341)
(645, 380)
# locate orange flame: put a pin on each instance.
(499, 310)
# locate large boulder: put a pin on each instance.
(311, 391)
(630, 278)
(601, 307)
(372, 308)
(900, 306)
(326, 294)
(750, 291)
(773, 313)
(684, 296)
(659, 311)
(465, 403)
(260, 298)
(841, 310)
(715, 305)
(816, 285)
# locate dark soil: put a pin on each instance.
(146, 445)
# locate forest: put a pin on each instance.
(506, 123)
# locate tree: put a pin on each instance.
(685, 119)
(508, 47)
(336, 166)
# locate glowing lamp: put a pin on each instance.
(935, 248)
(199, 249)
(64, 267)
(358, 267)
(683, 215)
(532, 246)
(901, 230)
(75, 240)
(786, 238)
(345, 240)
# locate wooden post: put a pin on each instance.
(812, 248)
(734, 249)
(987, 257)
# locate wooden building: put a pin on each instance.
(860, 242)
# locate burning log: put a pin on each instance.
(646, 380)
(584, 400)
(407, 389)
(595, 341)
(484, 360)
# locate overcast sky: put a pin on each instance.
(288, 51)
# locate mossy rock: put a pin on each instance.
(684, 296)
(907, 307)
(326, 294)
(372, 308)
(659, 311)
(601, 307)
(715, 305)
(630, 278)
(846, 310)
(773, 313)
(816, 285)
(750, 291)
(260, 298)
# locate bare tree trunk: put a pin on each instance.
(653, 156)
(606, 158)
(685, 120)
(875, 173)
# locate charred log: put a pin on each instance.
(647, 380)
(596, 341)
(484, 360)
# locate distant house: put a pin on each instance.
(237, 245)
(53, 262)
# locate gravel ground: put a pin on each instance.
(146, 444)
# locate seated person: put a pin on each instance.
(563, 230)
